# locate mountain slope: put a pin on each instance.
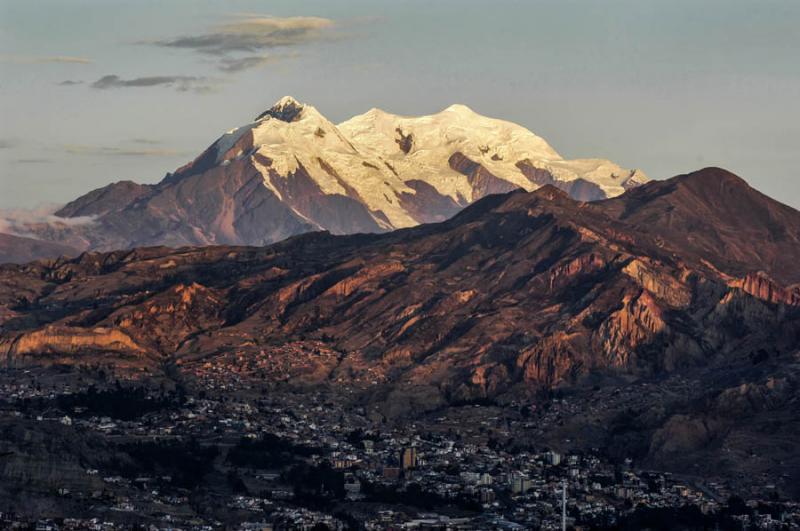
(715, 213)
(21, 249)
(531, 289)
(668, 319)
(293, 171)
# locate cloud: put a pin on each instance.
(69, 82)
(34, 160)
(232, 65)
(111, 151)
(23, 222)
(180, 83)
(6, 143)
(252, 33)
(43, 59)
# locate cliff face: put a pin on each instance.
(519, 291)
(760, 286)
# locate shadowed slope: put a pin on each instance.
(522, 288)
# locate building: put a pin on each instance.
(408, 458)
(520, 483)
(552, 458)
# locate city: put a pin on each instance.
(274, 459)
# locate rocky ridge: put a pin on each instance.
(526, 290)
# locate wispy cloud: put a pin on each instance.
(43, 59)
(241, 43)
(146, 141)
(34, 160)
(232, 65)
(70, 82)
(7, 143)
(112, 151)
(252, 33)
(180, 83)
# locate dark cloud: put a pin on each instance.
(180, 83)
(252, 33)
(69, 82)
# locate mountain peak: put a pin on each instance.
(286, 109)
(520, 200)
(292, 170)
(551, 193)
(711, 184)
(459, 108)
(287, 100)
(712, 176)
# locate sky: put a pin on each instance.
(95, 91)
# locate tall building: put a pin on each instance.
(552, 458)
(408, 458)
(520, 483)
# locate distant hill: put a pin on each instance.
(21, 249)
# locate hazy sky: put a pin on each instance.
(97, 91)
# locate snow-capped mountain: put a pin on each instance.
(464, 155)
(292, 171)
